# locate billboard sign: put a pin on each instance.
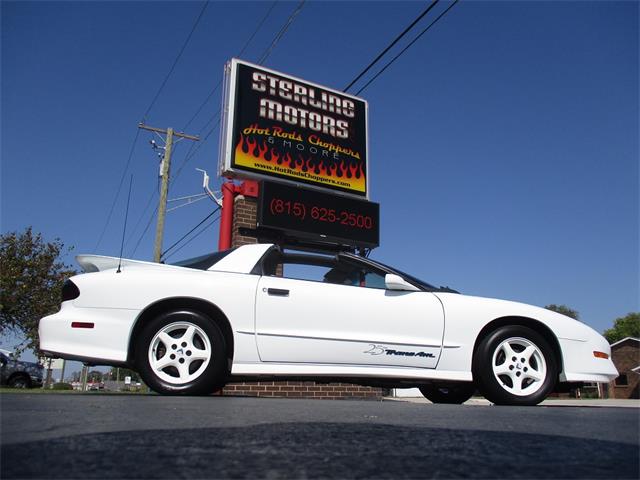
(312, 214)
(289, 130)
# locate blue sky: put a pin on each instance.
(503, 144)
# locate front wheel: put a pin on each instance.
(515, 365)
(181, 352)
(453, 393)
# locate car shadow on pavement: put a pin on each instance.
(313, 450)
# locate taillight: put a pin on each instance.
(69, 291)
(82, 324)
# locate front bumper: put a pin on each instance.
(580, 364)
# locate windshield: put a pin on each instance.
(203, 262)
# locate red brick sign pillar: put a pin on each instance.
(245, 209)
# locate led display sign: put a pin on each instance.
(302, 212)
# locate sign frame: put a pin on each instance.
(227, 146)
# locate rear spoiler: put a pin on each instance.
(98, 263)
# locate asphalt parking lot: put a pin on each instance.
(150, 436)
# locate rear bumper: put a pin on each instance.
(106, 342)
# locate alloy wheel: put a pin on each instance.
(519, 366)
(179, 352)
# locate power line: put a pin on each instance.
(144, 232)
(135, 140)
(281, 33)
(175, 62)
(204, 102)
(190, 232)
(258, 27)
(191, 153)
(381, 54)
(194, 149)
(246, 44)
(407, 47)
(154, 192)
(204, 229)
(115, 199)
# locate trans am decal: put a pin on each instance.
(382, 350)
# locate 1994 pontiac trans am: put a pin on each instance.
(260, 311)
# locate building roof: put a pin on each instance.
(624, 340)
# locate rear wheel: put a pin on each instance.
(182, 352)
(455, 393)
(20, 381)
(515, 365)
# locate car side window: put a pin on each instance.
(315, 273)
(297, 266)
(323, 268)
(368, 276)
(374, 280)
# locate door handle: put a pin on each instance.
(278, 292)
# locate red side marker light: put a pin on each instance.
(82, 324)
(600, 355)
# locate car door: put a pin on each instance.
(300, 320)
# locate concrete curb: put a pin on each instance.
(610, 403)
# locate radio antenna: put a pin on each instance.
(124, 228)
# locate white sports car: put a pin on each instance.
(260, 311)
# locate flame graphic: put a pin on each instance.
(257, 155)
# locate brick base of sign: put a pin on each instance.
(331, 391)
(245, 210)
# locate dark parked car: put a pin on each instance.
(18, 374)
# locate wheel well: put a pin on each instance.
(186, 303)
(18, 375)
(535, 325)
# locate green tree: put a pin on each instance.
(627, 326)
(564, 310)
(30, 283)
(95, 376)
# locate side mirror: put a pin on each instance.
(396, 282)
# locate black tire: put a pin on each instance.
(517, 385)
(19, 381)
(453, 393)
(196, 376)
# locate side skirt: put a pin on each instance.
(317, 372)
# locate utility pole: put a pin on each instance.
(47, 383)
(165, 167)
(85, 373)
